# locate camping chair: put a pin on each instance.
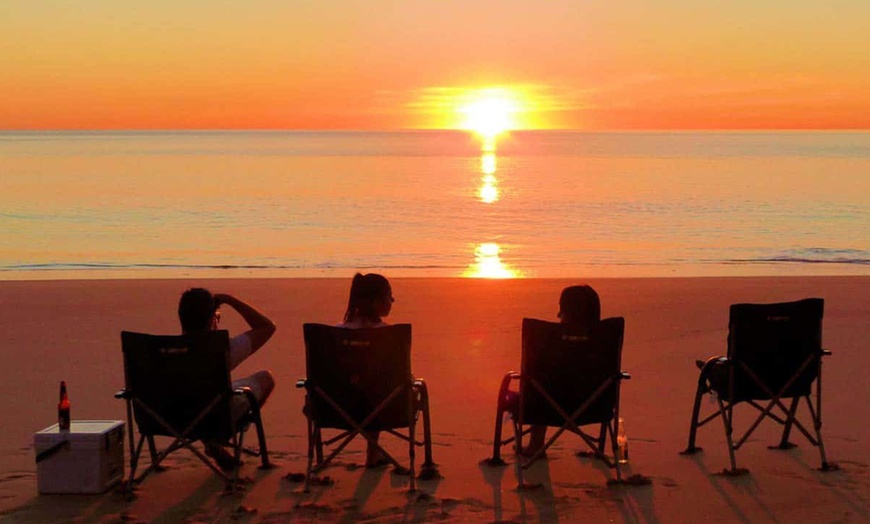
(569, 378)
(774, 353)
(179, 387)
(359, 381)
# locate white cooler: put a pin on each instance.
(87, 458)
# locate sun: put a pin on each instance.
(489, 112)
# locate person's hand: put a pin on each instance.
(220, 298)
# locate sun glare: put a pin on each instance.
(489, 112)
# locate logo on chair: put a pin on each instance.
(774, 318)
(347, 342)
(172, 351)
(575, 338)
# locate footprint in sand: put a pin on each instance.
(16, 476)
(667, 482)
(842, 437)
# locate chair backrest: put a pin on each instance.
(774, 340)
(571, 363)
(359, 369)
(178, 377)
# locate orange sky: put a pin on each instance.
(387, 64)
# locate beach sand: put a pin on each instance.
(466, 336)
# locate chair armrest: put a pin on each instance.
(122, 394)
(244, 390)
(418, 386)
(302, 383)
(701, 364)
(513, 375)
(247, 393)
(624, 375)
(826, 353)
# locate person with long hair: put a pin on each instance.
(578, 306)
(371, 299)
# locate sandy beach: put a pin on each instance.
(466, 335)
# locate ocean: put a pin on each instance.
(433, 203)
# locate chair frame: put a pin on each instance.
(597, 444)
(183, 436)
(787, 418)
(419, 404)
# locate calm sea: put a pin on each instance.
(431, 203)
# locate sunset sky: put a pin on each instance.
(390, 64)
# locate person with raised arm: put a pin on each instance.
(199, 310)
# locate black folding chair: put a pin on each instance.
(179, 387)
(359, 381)
(774, 353)
(570, 377)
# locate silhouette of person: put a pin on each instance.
(580, 307)
(199, 310)
(371, 299)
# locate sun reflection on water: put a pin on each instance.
(488, 263)
(488, 191)
(487, 256)
(488, 163)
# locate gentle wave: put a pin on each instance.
(60, 266)
(812, 255)
(798, 260)
(105, 266)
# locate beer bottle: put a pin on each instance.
(621, 442)
(63, 408)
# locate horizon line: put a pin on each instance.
(432, 129)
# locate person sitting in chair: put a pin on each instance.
(199, 310)
(580, 307)
(371, 299)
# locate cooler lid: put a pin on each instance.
(79, 431)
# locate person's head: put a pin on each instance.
(579, 305)
(371, 298)
(197, 310)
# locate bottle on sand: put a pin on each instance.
(621, 442)
(63, 419)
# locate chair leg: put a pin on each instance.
(817, 422)
(727, 420)
(152, 451)
(499, 420)
(311, 438)
(602, 438)
(693, 427)
(816, 414)
(318, 445)
(261, 442)
(238, 440)
(412, 453)
(428, 462)
(786, 431)
(518, 447)
(134, 462)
